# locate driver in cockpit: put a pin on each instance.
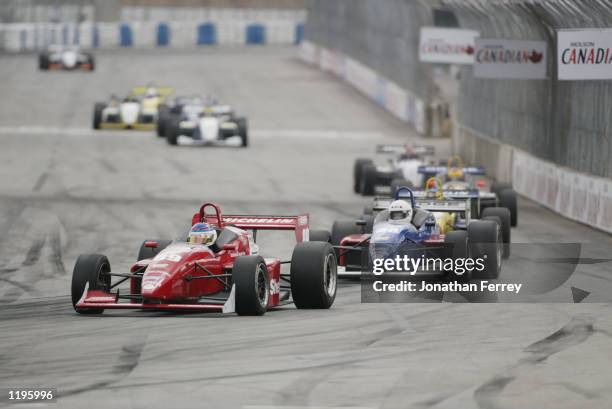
(203, 234)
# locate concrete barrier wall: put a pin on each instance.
(402, 103)
(249, 30)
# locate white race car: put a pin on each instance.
(401, 168)
(200, 123)
(138, 110)
(65, 58)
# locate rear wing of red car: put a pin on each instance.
(299, 223)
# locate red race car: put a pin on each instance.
(226, 275)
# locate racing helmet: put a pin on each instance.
(433, 188)
(400, 211)
(455, 173)
(151, 92)
(455, 168)
(202, 233)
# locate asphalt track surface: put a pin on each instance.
(66, 190)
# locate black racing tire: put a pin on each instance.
(369, 223)
(163, 113)
(497, 187)
(92, 269)
(97, 114)
(243, 131)
(43, 61)
(498, 221)
(357, 171)
(341, 229)
(320, 235)
(252, 285)
(397, 183)
(458, 247)
(507, 199)
(148, 252)
(173, 130)
(504, 218)
(369, 178)
(484, 243)
(314, 275)
(92, 62)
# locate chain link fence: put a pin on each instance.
(382, 34)
(567, 122)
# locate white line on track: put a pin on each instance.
(314, 133)
(257, 133)
(44, 130)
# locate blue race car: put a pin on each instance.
(418, 235)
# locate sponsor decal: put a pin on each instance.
(584, 54)
(259, 220)
(274, 286)
(168, 257)
(447, 45)
(511, 59)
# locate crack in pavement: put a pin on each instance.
(33, 254)
(127, 360)
(575, 332)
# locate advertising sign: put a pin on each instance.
(447, 45)
(585, 54)
(510, 59)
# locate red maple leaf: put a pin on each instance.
(536, 57)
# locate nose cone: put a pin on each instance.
(69, 59)
(209, 128)
(154, 284)
(129, 112)
(164, 276)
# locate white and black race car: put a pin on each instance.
(401, 168)
(194, 121)
(69, 58)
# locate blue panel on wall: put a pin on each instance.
(23, 38)
(256, 34)
(125, 36)
(207, 34)
(163, 35)
(95, 37)
(299, 33)
(76, 39)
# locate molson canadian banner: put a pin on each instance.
(447, 45)
(510, 59)
(584, 54)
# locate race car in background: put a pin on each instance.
(57, 57)
(138, 110)
(196, 121)
(400, 169)
(424, 236)
(226, 275)
(469, 182)
(172, 106)
(452, 211)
